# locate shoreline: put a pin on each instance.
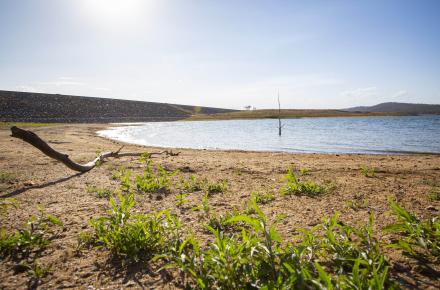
(378, 153)
(115, 127)
(40, 181)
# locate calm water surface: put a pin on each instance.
(318, 135)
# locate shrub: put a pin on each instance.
(297, 187)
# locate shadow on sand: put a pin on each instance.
(26, 188)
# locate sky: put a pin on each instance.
(229, 53)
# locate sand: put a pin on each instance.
(41, 181)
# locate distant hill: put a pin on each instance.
(37, 107)
(404, 108)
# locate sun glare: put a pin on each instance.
(116, 14)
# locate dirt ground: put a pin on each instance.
(40, 181)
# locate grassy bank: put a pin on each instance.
(285, 114)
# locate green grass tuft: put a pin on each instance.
(367, 171)
(100, 192)
(35, 236)
(358, 202)
(262, 197)
(434, 194)
(192, 184)
(6, 177)
(132, 236)
(329, 256)
(181, 199)
(295, 186)
(154, 180)
(212, 187)
(419, 239)
(6, 203)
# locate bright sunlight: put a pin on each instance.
(116, 14)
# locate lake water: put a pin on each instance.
(379, 135)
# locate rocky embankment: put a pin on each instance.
(37, 107)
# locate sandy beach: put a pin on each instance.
(36, 180)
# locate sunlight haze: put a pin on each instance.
(317, 54)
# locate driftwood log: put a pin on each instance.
(33, 139)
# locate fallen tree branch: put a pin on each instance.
(33, 139)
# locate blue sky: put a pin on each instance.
(318, 54)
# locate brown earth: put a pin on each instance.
(41, 181)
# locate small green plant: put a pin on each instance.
(358, 202)
(154, 181)
(99, 162)
(221, 222)
(37, 271)
(434, 194)
(262, 197)
(304, 171)
(329, 256)
(205, 204)
(419, 238)
(145, 157)
(100, 192)
(36, 235)
(6, 203)
(116, 174)
(297, 187)
(212, 187)
(132, 236)
(192, 184)
(7, 177)
(239, 171)
(124, 176)
(181, 199)
(367, 171)
(431, 182)
(85, 241)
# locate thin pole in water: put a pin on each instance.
(279, 115)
